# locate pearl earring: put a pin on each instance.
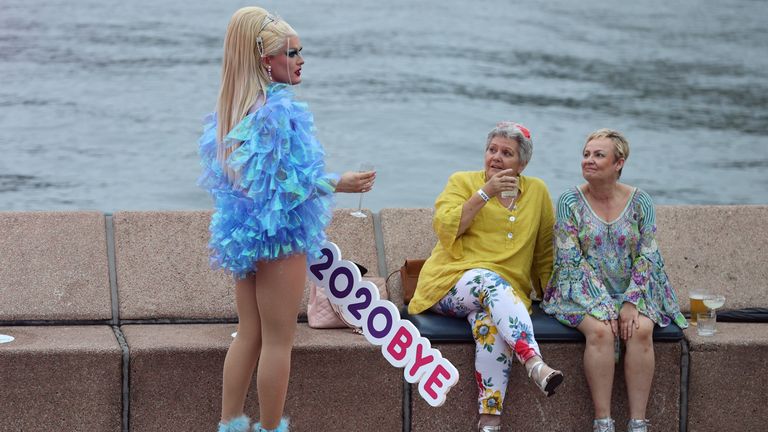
(269, 72)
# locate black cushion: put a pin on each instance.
(440, 328)
(747, 315)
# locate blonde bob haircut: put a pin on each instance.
(620, 143)
(252, 34)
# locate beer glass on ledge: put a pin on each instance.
(697, 296)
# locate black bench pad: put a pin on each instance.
(439, 328)
(746, 315)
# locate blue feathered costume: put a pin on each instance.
(281, 199)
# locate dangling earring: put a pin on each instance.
(269, 72)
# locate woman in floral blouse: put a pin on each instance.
(608, 279)
(494, 230)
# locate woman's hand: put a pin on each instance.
(353, 181)
(504, 180)
(629, 319)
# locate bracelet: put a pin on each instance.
(483, 195)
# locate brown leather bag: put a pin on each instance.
(409, 276)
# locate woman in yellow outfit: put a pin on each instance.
(494, 230)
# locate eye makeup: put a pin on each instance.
(293, 52)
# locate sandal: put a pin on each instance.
(548, 383)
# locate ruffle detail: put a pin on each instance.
(571, 294)
(281, 199)
(651, 292)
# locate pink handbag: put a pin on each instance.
(321, 314)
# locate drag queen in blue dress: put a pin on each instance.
(264, 169)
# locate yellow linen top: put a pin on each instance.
(515, 243)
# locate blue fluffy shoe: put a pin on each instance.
(237, 424)
(282, 427)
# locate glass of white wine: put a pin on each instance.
(713, 302)
(364, 167)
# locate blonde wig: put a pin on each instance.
(252, 34)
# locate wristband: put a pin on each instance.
(483, 195)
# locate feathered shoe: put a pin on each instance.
(282, 427)
(237, 424)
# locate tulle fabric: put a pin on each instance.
(281, 199)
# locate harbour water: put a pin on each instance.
(101, 102)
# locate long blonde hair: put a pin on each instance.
(243, 74)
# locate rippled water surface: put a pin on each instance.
(101, 102)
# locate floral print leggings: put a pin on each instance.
(501, 326)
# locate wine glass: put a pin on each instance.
(364, 167)
(4, 338)
(713, 302)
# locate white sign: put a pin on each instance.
(401, 344)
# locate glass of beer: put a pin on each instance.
(697, 297)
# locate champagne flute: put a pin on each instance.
(364, 167)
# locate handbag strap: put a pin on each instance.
(386, 281)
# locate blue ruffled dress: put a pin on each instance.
(282, 198)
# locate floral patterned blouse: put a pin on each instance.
(599, 265)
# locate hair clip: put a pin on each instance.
(523, 130)
(260, 45)
(267, 19)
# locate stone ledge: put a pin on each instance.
(569, 409)
(54, 267)
(728, 388)
(61, 377)
(175, 380)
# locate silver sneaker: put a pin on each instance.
(487, 428)
(604, 425)
(635, 425)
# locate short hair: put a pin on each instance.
(515, 132)
(620, 142)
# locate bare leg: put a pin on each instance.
(599, 363)
(639, 364)
(243, 353)
(279, 289)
